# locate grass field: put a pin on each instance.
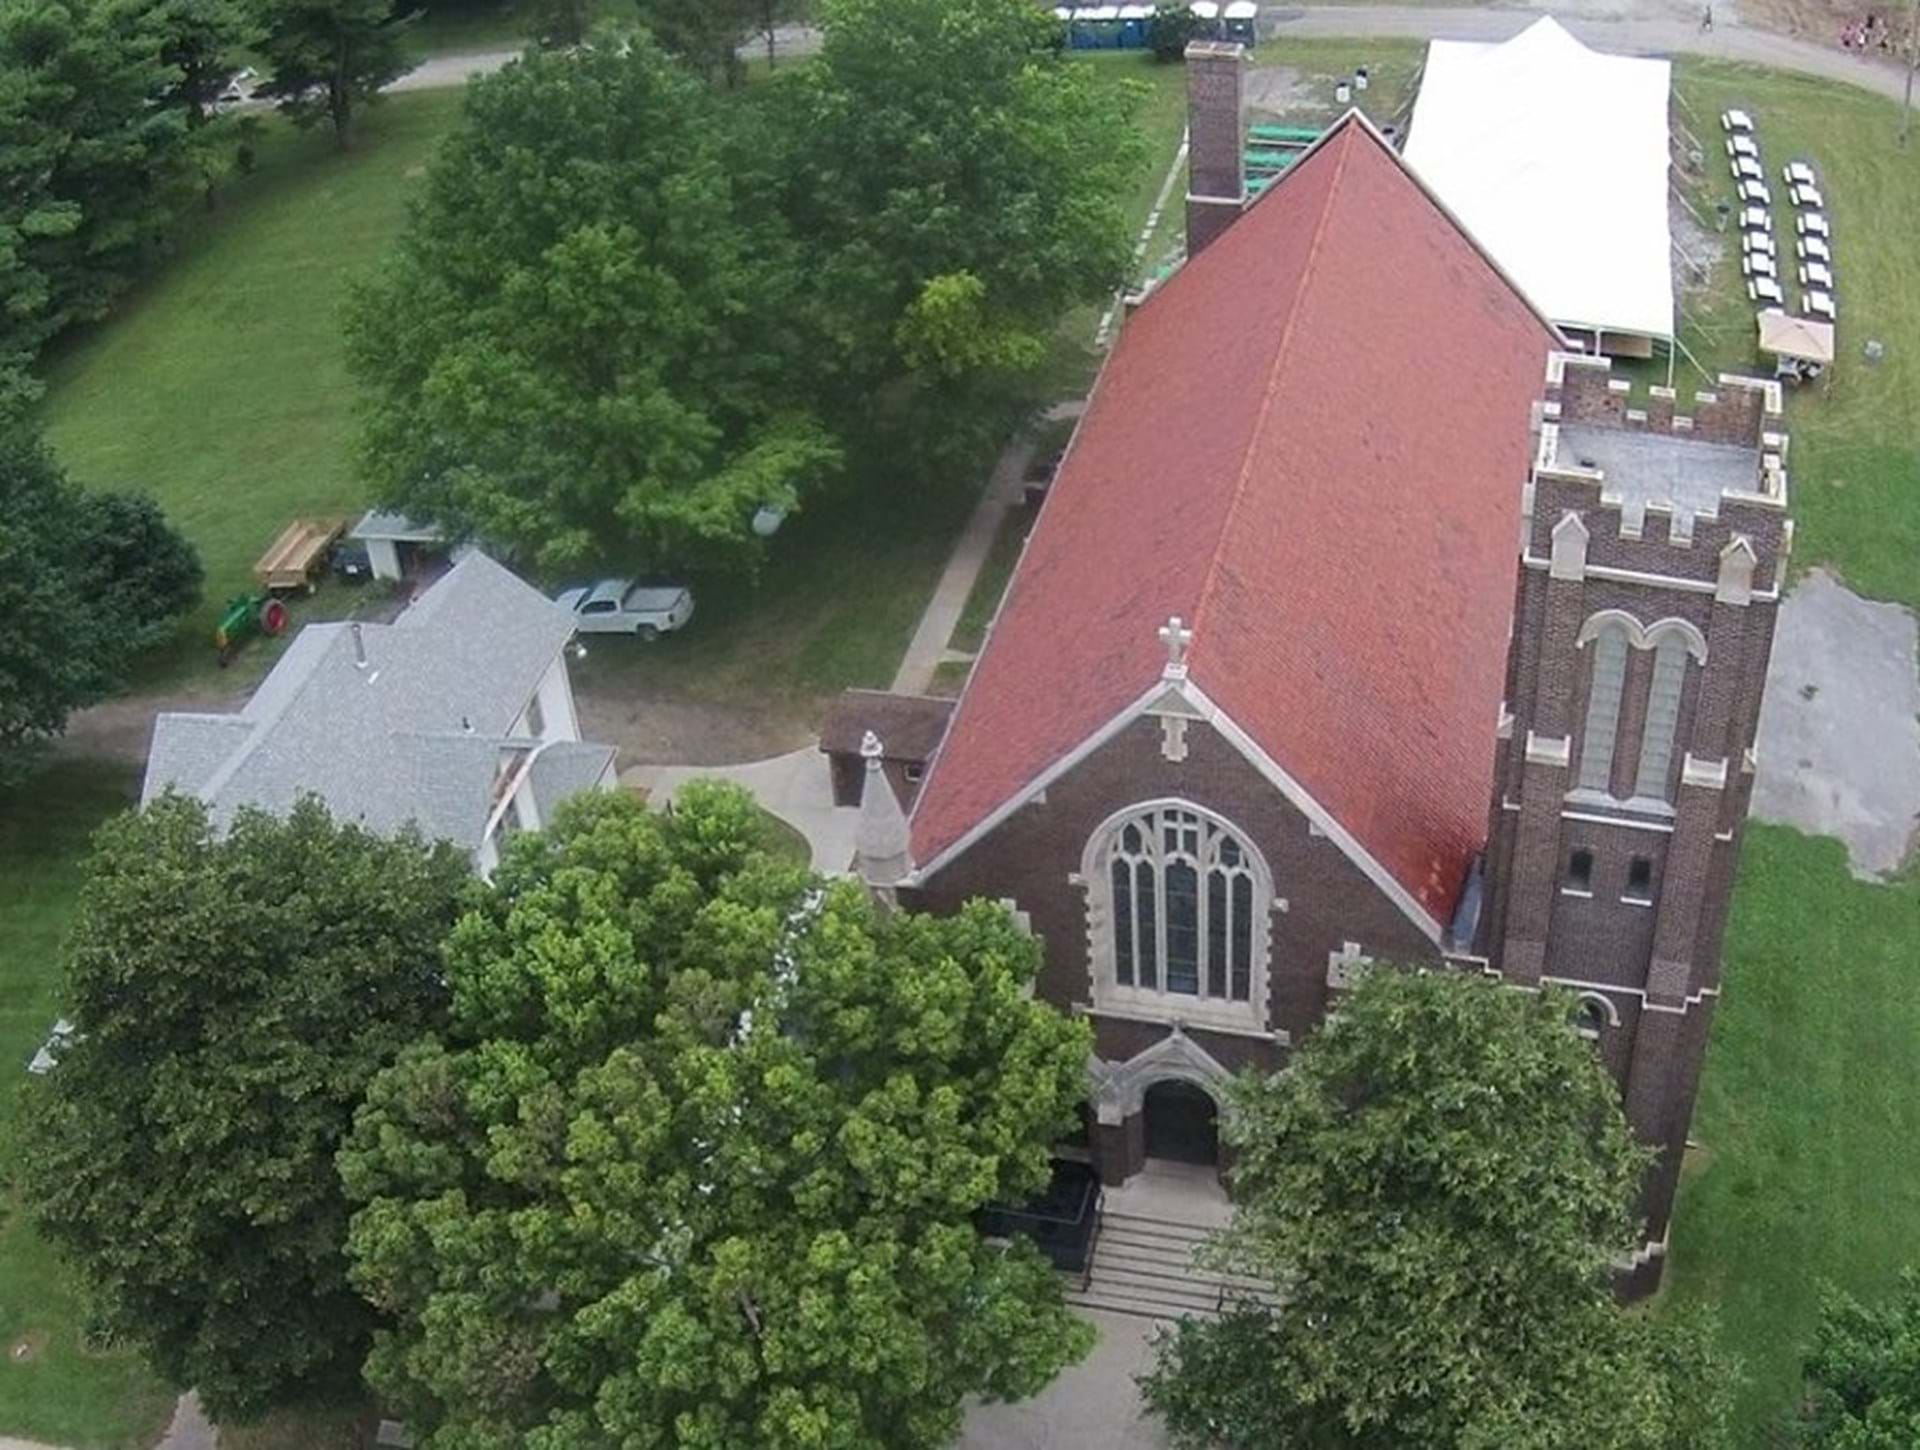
(221, 386)
(1855, 459)
(51, 1387)
(1807, 1114)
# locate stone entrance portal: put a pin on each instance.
(1183, 1124)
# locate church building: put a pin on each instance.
(1364, 621)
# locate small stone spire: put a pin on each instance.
(1175, 635)
(881, 854)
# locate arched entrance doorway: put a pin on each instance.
(1182, 1123)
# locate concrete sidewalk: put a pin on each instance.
(949, 601)
(796, 787)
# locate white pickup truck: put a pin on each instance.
(645, 608)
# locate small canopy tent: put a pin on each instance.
(1805, 338)
(1554, 157)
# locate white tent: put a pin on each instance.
(1555, 158)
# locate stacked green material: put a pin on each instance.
(1262, 160)
(1286, 135)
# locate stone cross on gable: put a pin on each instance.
(1176, 637)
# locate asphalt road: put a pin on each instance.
(1657, 31)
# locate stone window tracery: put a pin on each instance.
(1183, 900)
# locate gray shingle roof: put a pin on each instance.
(413, 733)
(564, 768)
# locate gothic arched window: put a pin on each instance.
(1607, 638)
(1185, 902)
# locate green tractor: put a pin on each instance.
(245, 616)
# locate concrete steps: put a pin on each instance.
(1145, 1267)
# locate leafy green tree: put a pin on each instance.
(768, 16)
(330, 57)
(1863, 1373)
(134, 567)
(1436, 1192)
(696, 1162)
(86, 580)
(560, 24)
(200, 42)
(89, 170)
(583, 348)
(1169, 29)
(706, 35)
(934, 140)
(234, 995)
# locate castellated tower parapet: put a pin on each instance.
(1659, 491)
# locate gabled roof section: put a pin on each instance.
(415, 733)
(1310, 444)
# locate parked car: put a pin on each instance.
(1812, 249)
(1742, 146)
(1765, 289)
(349, 560)
(1755, 192)
(1737, 121)
(1798, 173)
(1745, 168)
(1760, 243)
(1812, 224)
(645, 608)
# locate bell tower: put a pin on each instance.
(1654, 551)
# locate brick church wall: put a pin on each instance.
(1031, 857)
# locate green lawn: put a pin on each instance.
(221, 386)
(1808, 1115)
(1855, 460)
(51, 1387)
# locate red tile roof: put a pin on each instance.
(1310, 443)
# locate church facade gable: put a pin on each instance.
(1178, 890)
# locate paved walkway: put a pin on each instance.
(1624, 35)
(796, 787)
(1839, 744)
(929, 643)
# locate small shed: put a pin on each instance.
(393, 541)
(910, 728)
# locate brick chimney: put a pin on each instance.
(1216, 132)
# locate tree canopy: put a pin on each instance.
(86, 580)
(934, 140)
(1863, 1373)
(1437, 1190)
(695, 1161)
(89, 173)
(233, 996)
(330, 57)
(582, 348)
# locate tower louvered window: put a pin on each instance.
(1603, 707)
(1663, 718)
